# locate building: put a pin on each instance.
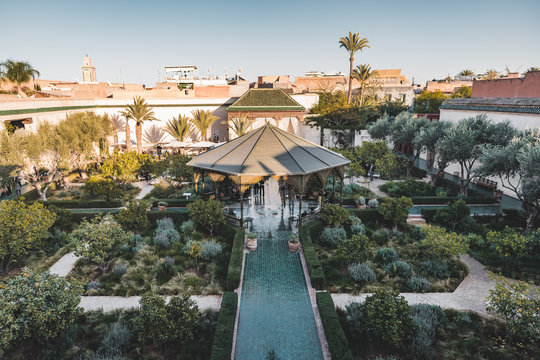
(447, 87)
(274, 82)
(88, 71)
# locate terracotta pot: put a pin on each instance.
(252, 244)
(162, 208)
(293, 247)
(361, 206)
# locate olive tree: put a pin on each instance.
(429, 140)
(207, 213)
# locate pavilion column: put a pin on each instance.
(300, 203)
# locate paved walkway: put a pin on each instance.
(64, 265)
(470, 295)
(146, 188)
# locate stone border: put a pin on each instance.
(239, 292)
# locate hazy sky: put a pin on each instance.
(131, 41)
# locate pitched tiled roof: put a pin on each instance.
(507, 105)
(266, 100)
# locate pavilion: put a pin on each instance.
(269, 152)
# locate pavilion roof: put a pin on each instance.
(266, 100)
(268, 151)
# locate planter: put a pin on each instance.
(162, 207)
(360, 206)
(252, 244)
(293, 247)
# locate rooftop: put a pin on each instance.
(512, 105)
(266, 100)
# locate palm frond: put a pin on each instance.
(117, 123)
(240, 125)
(179, 127)
(203, 120)
(154, 135)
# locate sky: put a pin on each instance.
(132, 41)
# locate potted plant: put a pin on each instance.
(373, 203)
(162, 205)
(293, 243)
(361, 202)
(251, 241)
(150, 203)
(497, 195)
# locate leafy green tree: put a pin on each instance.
(195, 252)
(386, 316)
(396, 210)
(208, 213)
(179, 127)
(391, 107)
(390, 165)
(123, 167)
(382, 128)
(134, 217)
(429, 102)
(363, 74)
(518, 305)
(462, 92)
(443, 245)
(356, 249)
(98, 240)
(36, 305)
(140, 112)
(464, 141)
(455, 216)
(334, 215)
(405, 129)
(352, 43)
(22, 227)
(203, 120)
(18, 72)
(329, 102)
(96, 186)
(511, 244)
(428, 139)
(169, 326)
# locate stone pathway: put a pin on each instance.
(146, 188)
(63, 266)
(470, 295)
(112, 303)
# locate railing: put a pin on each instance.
(310, 217)
(486, 183)
(233, 220)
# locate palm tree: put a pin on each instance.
(127, 130)
(352, 44)
(203, 119)
(19, 72)
(240, 125)
(154, 135)
(532, 68)
(466, 72)
(491, 74)
(363, 74)
(140, 112)
(179, 127)
(117, 125)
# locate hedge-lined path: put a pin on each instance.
(470, 295)
(276, 311)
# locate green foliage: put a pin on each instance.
(338, 345)
(429, 102)
(170, 326)
(357, 248)
(333, 235)
(333, 215)
(207, 213)
(455, 216)
(436, 268)
(223, 337)
(98, 240)
(133, 217)
(178, 169)
(418, 284)
(443, 245)
(386, 255)
(396, 210)
(511, 244)
(234, 271)
(390, 165)
(462, 92)
(37, 306)
(384, 316)
(392, 107)
(313, 264)
(408, 187)
(210, 249)
(426, 319)
(380, 236)
(398, 268)
(361, 273)
(22, 227)
(124, 166)
(518, 305)
(96, 186)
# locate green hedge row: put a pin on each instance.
(84, 204)
(223, 337)
(153, 215)
(316, 273)
(367, 215)
(435, 200)
(338, 345)
(235, 264)
(173, 202)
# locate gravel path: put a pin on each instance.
(470, 295)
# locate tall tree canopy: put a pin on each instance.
(19, 72)
(352, 44)
(140, 112)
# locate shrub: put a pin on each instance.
(133, 217)
(361, 273)
(426, 319)
(315, 270)
(373, 203)
(398, 268)
(235, 264)
(356, 226)
(117, 339)
(119, 270)
(169, 326)
(435, 268)
(165, 269)
(211, 249)
(93, 285)
(207, 213)
(455, 216)
(223, 336)
(418, 284)
(188, 227)
(380, 236)
(408, 187)
(166, 237)
(510, 243)
(101, 187)
(356, 249)
(165, 224)
(333, 235)
(333, 215)
(386, 255)
(396, 210)
(417, 233)
(443, 245)
(338, 345)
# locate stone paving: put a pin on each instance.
(145, 187)
(64, 265)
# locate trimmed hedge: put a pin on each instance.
(338, 345)
(223, 336)
(173, 202)
(316, 273)
(235, 264)
(435, 200)
(368, 215)
(84, 204)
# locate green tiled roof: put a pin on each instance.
(266, 100)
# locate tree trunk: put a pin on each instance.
(322, 136)
(362, 94)
(349, 94)
(128, 136)
(531, 218)
(138, 134)
(5, 267)
(42, 192)
(115, 137)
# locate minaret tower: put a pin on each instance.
(88, 71)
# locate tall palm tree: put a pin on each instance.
(154, 135)
(491, 74)
(179, 127)
(203, 120)
(466, 72)
(352, 44)
(363, 74)
(19, 72)
(117, 125)
(240, 125)
(127, 129)
(140, 112)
